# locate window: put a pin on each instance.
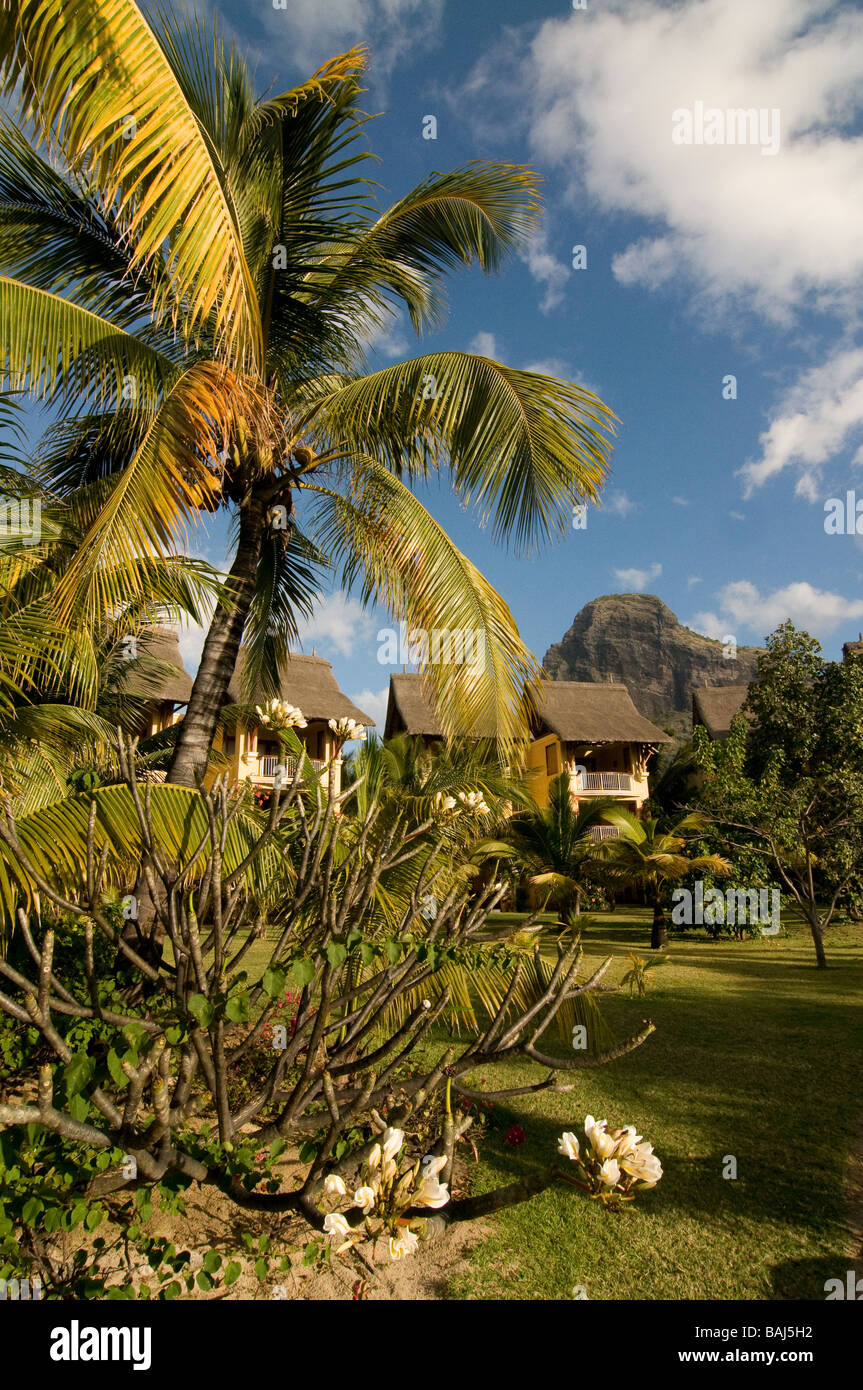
(551, 763)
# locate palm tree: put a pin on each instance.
(191, 274)
(648, 857)
(556, 845)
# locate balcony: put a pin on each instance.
(268, 764)
(605, 832)
(604, 783)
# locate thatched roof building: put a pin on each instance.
(307, 682)
(576, 711)
(158, 673)
(590, 712)
(714, 706)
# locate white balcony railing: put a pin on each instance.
(603, 782)
(605, 832)
(268, 764)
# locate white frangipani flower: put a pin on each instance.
(364, 1197)
(334, 1185)
(347, 729)
(374, 1158)
(432, 1164)
(568, 1145)
(336, 1225)
(392, 1142)
(601, 1143)
(473, 801)
(431, 1193)
(405, 1243)
(609, 1173)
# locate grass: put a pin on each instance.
(755, 1057)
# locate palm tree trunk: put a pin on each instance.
(196, 731)
(219, 657)
(659, 934)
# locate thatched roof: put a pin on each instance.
(410, 708)
(150, 678)
(577, 711)
(715, 706)
(307, 682)
(590, 712)
(852, 648)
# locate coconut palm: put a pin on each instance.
(191, 274)
(648, 857)
(556, 845)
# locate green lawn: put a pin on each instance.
(756, 1055)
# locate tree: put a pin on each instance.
(650, 858)
(555, 844)
(787, 787)
(199, 270)
(339, 900)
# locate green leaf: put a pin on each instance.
(135, 1034)
(95, 1216)
(273, 982)
(31, 1210)
(307, 1151)
(204, 1281)
(201, 1010)
(212, 1261)
(232, 1273)
(336, 954)
(237, 1009)
(262, 1269)
(367, 953)
(393, 951)
(173, 1036)
(303, 972)
(79, 1109)
(277, 1147)
(118, 1075)
(78, 1072)
(173, 1290)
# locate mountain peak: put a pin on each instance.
(637, 640)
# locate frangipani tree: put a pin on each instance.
(191, 273)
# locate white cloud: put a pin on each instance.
(817, 610)
(710, 625)
(339, 622)
(738, 516)
(639, 579)
(547, 269)
(312, 31)
(819, 416)
(693, 580)
(374, 702)
(389, 339)
(680, 501)
(192, 637)
(777, 230)
(485, 344)
(622, 505)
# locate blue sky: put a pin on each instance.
(703, 260)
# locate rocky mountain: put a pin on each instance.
(636, 639)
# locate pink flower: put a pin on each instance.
(515, 1136)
